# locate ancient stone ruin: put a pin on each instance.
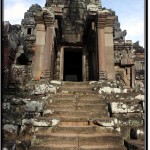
(70, 80)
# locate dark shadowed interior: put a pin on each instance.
(72, 64)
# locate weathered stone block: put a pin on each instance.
(13, 129)
(123, 107)
(134, 108)
(47, 112)
(19, 101)
(56, 82)
(118, 107)
(129, 119)
(41, 122)
(140, 97)
(35, 106)
(44, 88)
(132, 122)
(108, 122)
(109, 90)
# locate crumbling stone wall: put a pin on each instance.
(20, 74)
(11, 35)
(126, 109)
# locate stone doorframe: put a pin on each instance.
(62, 61)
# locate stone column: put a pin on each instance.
(44, 42)
(101, 47)
(47, 55)
(133, 76)
(39, 51)
(109, 48)
(83, 65)
(61, 63)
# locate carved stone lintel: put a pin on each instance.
(102, 75)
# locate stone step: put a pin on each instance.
(63, 96)
(75, 88)
(70, 147)
(79, 139)
(69, 83)
(69, 114)
(72, 96)
(88, 107)
(68, 103)
(92, 107)
(54, 147)
(84, 120)
(74, 101)
(74, 129)
(85, 87)
(105, 147)
(89, 96)
(100, 139)
(57, 139)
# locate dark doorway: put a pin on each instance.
(72, 64)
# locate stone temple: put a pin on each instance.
(71, 80)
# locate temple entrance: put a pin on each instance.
(72, 64)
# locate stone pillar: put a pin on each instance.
(39, 51)
(44, 42)
(61, 63)
(101, 47)
(83, 65)
(133, 76)
(109, 49)
(47, 55)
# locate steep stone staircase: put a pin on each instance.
(74, 108)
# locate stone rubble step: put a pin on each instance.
(90, 101)
(81, 139)
(75, 88)
(89, 96)
(100, 140)
(74, 129)
(74, 122)
(104, 121)
(63, 96)
(70, 147)
(69, 114)
(54, 147)
(74, 119)
(74, 101)
(68, 103)
(75, 96)
(70, 83)
(57, 139)
(87, 107)
(105, 147)
(92, 107)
